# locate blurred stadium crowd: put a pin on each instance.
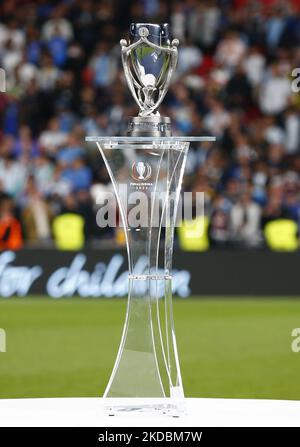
(64, 80)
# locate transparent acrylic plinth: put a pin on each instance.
(146, 376)
(136, 140)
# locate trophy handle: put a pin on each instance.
(132, 83)
(125, 56)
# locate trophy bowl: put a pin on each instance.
(149, 60)
(150, 65)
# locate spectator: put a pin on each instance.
(238, 90)
(275, 91)
(292, 130)
(274, 27)
(48, 73)
(217, 119)
(245, 217)
(10, 228)
(26, 72)
(57, 24)
(52, 138)
(43, 173)
(254, 65)
(103, 64)
(57, 46)
(205, 22)
(178, 20)
(13, 33)
(33, 45)
(36, 214)
(219, 228)
(78, 174)
(68, 226)
(231, 50)
(190, 57)
(13, 175)
(70, 152)
(25, 146)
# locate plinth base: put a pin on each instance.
(155, 406)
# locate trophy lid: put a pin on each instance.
(157, 33)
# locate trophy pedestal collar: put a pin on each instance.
(149, 126)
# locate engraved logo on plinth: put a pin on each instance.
(141, 171)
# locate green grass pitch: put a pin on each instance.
(228, 347)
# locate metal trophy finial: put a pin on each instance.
(149, 60)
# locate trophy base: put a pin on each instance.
(149, 126)
(155, 406)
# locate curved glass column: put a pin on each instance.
(146, 174)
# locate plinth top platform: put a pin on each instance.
(172, 139)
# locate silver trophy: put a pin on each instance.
(149, 61)
(140, 167)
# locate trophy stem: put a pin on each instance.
(149, 126)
